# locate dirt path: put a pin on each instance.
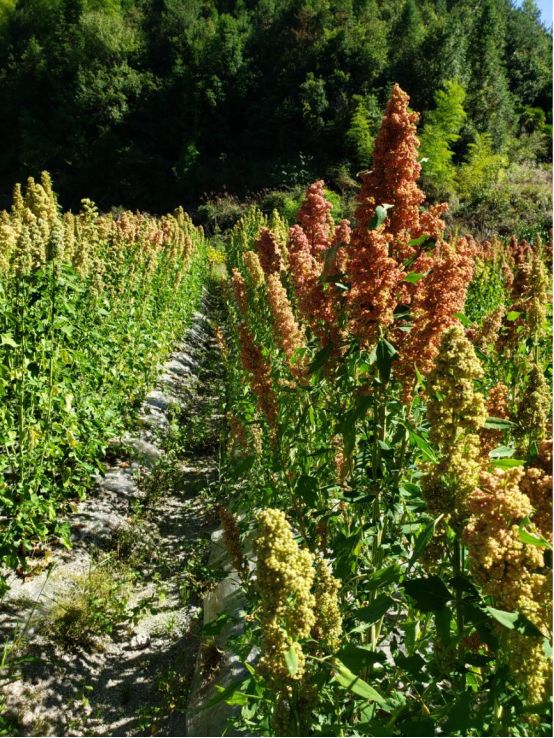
(108, 632)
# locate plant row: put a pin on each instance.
(389, 407)
(89, 306)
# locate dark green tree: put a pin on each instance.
(440, 131)
(490, 103)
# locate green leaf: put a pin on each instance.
(459, 716)
(464, 320)
(355, 684)
(306, 487)
(443, 618)
(424, 446)
(330, 255)
(224, 693)
(376, 610)
(291, 660)
(420, 378)
(380, 215)
(385, 355)
(528, 628)
(423, 539)
(412, 664)
(413, 277)
(512, 315)
(359, 657)
(430, 593)
(498, 423)
(386, 575)
(533, 540)
(7, 340)
(418, 726)
(502, 452)
(320, 359)
(362, 406)
(242, 466)
(420, 240)
(506, 463)
(215, 626)
(348, 430)
(507, 619)
(515, 621)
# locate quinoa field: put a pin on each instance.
(281, 464)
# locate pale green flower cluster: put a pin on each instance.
(285, 577)
(456, 412)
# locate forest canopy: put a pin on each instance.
(149, 103)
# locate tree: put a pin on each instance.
(481, 169)
(490, 103)
(361, 134)
(409, 33)
(442, 129)
(529, 54)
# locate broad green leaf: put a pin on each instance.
(413, 277)
(420, 240)
(380, 216)
(386, 575)
(355, 684)
(423, 539)
(349, 437)
(7, 340)
(443, 618)
(418, 726)
(515, 621)
(430, 593)
(507, 619)
(359, 657)
(532, 539)
(464, 320)
(424, 446)
(242, 466)
(506, 463)
(459, 715)
(291, 660)
(215, 626)
(385, 355)
(223, 694)
(320, 359)
(502, 452)
(498, 423)
(512, 315)
(306, 487)
(528, 628)
(376, 610)
(412, 664)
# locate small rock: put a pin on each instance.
(141, 640)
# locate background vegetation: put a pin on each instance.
(151, 103)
